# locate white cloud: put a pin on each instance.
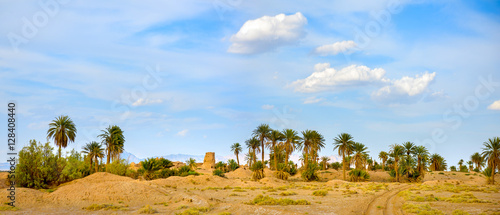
(333, 49)
(326, 78)
(495, 105)
(409, 86)
(268, 33)
(183, 132)
(142, 102)
(312, 100)
(267, 107)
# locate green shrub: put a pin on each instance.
(292, 170)
(218, 172)
(38, 167)
(357, 175)
(453, 168)
(221, 166)
(76, 167)
(165, 163)
(257, 171)
(232, 165)
(118, 167)
(165, 173)
(335, 165)
(281, 173)
(310, 173)
(266, 200)
(320, 193)
(132, 173)
(147, 210)
(487, 172)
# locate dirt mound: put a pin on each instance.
(106, 188)
(192, 181)
(271, 181)
(240, 173)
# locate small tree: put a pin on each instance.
(191, 162)
(257, 171)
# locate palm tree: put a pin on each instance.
(262, 132)
(460, 164)
(317, 143)
(62, 130)
(491, 152)
(477, 159)
(236, 148)
(191, 162)
(290, 143)
(253, 145)
(344, 144)
(113, 138)
(94, 151)
(360, 155)
(437, 162)
(324, 161)
(471, 167)
(307, 144)
(422, 155)
(396, 152)
(383, 157)
(275, 136)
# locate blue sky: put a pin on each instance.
(195, 76)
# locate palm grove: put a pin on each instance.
(404, 162)
(39, 167)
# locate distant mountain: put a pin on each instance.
(130, 157)
(172, 157)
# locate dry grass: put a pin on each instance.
(320, 193)
(421, 209)
(267, 200)
(194, 211)
(97, 207)
(9, 208)
(147, 210)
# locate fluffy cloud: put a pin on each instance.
(268, 33)
(406, 86)
(495, 105)
(312, 100)
(142, 102)
(267, 107)
(183, 132)
(333, 49)
(326, 78)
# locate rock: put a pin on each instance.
(209, 161)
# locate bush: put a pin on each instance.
(232, 165)
(165, 173)
(221, 166)
(38, 167)
(218, 172)
(267, 200)
(488, 173)
(118, 167)
(75, 167)
(335, 165)
(310, 173)
(258, 171)
(184, 171)
(281, 173)
(292, 170)
(320, 193)
(132, 173)
(165, 163)
(357, 175)
(453, 168)
(464, 169)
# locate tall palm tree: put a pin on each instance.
(236, 149)
(383, 157)
(274, 137)
(307, 144)
(344, 143)
(113, 139)
(460, 164)
(290, 143)
(360, 155)
(94, 151)
(62, 129)
(324, 161)
(262, 132)
(477, 159)
(317, 143)
(422, 155)
(471, 167)
(396, 152)
(253, 145)
(491, 152)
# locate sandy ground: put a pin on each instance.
(229, 195)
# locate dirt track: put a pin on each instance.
(385, 203)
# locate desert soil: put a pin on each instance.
(230, 195)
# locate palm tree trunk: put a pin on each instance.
(286, 159)
(396, 168)
(238, 159)
(493, 173)
(343, 164)
(262, 142)
(59, 151)
(96, 164)
(275, 161)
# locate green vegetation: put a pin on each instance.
(96, 207)
(257, 171)
(310, 172)
(194, 211)
(320, 193)
(266, 200)
(147, 210)
(287, 193)
(9, 208)
(218, 172)
(357, 175)
(420, 209)
(61, 130)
